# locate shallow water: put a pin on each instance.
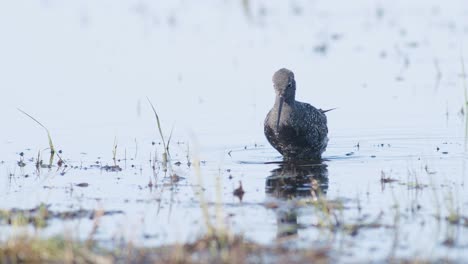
(392, 69)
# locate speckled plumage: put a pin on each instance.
(297, 130)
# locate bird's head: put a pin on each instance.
(285, 88)
(284, 84)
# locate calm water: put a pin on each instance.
(393, 70)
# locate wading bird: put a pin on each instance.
(297, 130)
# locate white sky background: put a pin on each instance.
(82, 67)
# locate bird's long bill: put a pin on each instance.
(281, 101)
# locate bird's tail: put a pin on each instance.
(328, 110)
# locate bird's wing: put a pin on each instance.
(315, 125)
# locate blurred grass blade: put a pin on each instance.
(465, 85)
(465, 88)
(159, 123)
(51, 145)
(169, 140)
(114, 152)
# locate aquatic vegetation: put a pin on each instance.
(465, 85)
(465, 91)
(114, 152)
(49, 137)
(165, 154)
(30, 249)
(39, 215)
(58, 249)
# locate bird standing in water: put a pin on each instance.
(297, 130)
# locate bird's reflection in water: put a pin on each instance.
(293, 181)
